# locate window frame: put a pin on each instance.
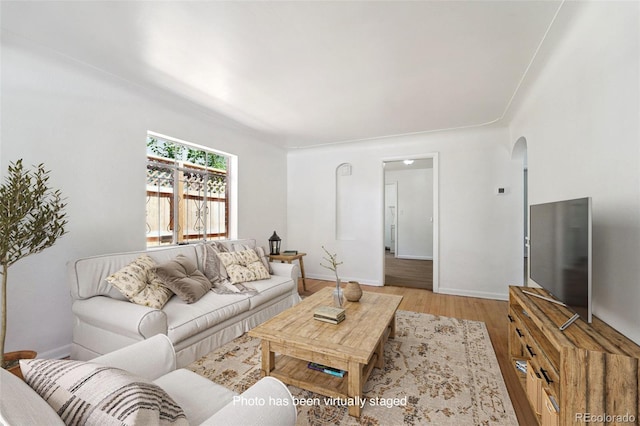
(177, 196)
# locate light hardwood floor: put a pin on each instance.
(492, 312)
(408, 272)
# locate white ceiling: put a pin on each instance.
(304, 72)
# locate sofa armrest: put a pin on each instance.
(286, 270)
(268, 402)
(121, 317)
(151, 358)
(21, 405)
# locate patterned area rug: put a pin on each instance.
(438, 370)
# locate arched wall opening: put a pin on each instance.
(519, 153)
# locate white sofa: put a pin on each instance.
(104, 320)
(202, 401)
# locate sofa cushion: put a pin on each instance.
(186, 320)
(87, 276)
(198, 396)
(93, 394)
(139, 283)
(182, 276)
(244, 266)
(270, 289)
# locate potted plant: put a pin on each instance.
(32, 218)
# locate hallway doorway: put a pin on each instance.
(409, 222)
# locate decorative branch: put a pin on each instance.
(332, 259)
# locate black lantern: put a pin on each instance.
(274, 244)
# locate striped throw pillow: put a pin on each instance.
(86, 393)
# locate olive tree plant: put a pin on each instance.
(32, 218)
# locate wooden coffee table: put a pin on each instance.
(356, 345)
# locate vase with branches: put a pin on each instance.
(332, 264)
(32, 218)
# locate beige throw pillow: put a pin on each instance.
(183, 278)
(155, 294)
(260, 251)
(139, 283)
(244, 266)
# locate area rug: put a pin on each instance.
(438, 370)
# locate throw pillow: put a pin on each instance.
(183, 278)
(212, 267)
(244, 266)
(260, 251)
(86, 393)
(131, 279)
(138, 282)
(155, 294)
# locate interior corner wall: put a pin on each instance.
(581, 120)
(89, 128)
(480, 232)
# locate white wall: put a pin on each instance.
(414, 210)
(480, 233)
(581, 122)
(89, 129)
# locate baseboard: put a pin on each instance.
(472, 293)
(57, 353)
(409, 257)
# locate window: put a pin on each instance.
(187, 193)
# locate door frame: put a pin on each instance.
(436, 213)
(395, 217)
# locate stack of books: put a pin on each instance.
(325, 369)
(329, 314)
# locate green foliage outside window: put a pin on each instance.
(179, 152)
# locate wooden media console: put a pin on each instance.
(588, 373)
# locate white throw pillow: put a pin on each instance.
(86, 393)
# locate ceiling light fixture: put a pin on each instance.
(408, 162)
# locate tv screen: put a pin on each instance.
(560, 251)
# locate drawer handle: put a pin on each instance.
(519, 332)
(544, 374)
(510, 318)
(530, 349)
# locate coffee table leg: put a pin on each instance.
(355, 387)
(392, 333)
(380, 353)
(268, 358)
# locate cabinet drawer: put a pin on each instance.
(534, 388)
(548, 374)
(549, 415)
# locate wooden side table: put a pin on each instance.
(290, 258)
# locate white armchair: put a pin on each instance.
(268, 402)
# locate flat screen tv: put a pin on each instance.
(560, 252)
